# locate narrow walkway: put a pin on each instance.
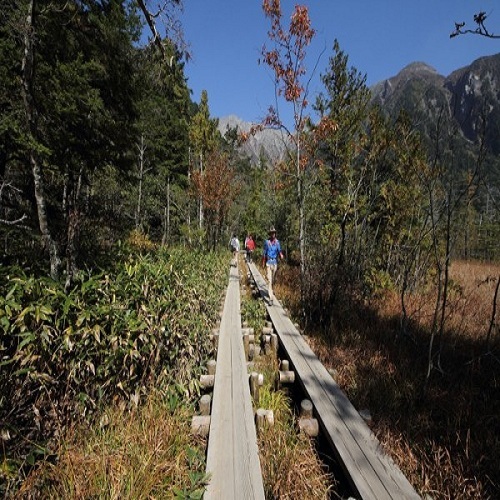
(372, 473)
(232, 460)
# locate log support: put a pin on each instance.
(207, 381)
(264, 418)
(205, 404)
(307, 424)
(211, 365)
(256, 381)
(200, 425)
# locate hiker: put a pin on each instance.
(249, 247)
(272, 251)
(235, 248)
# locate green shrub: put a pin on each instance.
(108, 339)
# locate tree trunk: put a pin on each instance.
(166, 218)
(142, 149)
(73, 219)
(200, 205)
(493, 316)
(27, 75)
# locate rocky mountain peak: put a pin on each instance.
(268, 143)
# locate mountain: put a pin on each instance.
(465, 104)
(267, 144)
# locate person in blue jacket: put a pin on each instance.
(272, 252)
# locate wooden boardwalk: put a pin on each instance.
(232, 459)
(372, 473)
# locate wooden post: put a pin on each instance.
(207, 381)
(267, 331)
(200, 425)
(214, 337)
(260, 419)
(264, 418)
(205, 404)
(286, 377)
(254, 386)
(211, 365)
(366, 416)
(307, 423)
(309, 426)
(306, 408)
(285, 365)
(274, 342)
(246, 345)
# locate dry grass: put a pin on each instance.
(290, 464)
(291, 467)
(446, 442)
(144, 453)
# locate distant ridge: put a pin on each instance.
(268, 144)
(461, 102)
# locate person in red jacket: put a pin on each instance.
(249, 247)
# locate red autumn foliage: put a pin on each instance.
(286, 59)
(216, 187)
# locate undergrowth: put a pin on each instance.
(115, 335)
(146, 452)
(445, 440)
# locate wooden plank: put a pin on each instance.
(232, 458)
(372, 473)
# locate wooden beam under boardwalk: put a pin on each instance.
(372, 473)
(232, 458)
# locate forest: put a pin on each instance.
(118, 197)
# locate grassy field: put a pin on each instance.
(444, 439)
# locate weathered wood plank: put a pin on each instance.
(372, 473)
(232, 459)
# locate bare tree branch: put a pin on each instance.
(481, 29)
(152, 26)
(171, 24)
(13, 222)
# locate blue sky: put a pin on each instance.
(380, 38)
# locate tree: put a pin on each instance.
(216, 186)
(31, 116)
(163, 131)
(369, 204)
(344, 103)
(166, 11)
(77, 98)
(286, 58)
(204, 139)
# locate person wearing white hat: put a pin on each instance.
(272, 251)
